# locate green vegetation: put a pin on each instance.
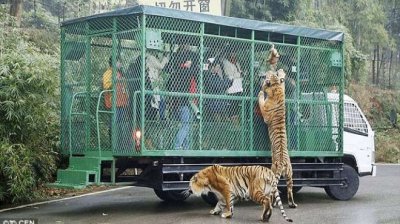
(29, 76)
(29, 111)
(377, 105)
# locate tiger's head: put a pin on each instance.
(274, 79)
(199, 183)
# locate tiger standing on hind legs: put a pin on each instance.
(273, 110)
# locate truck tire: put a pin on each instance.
(171, 195)
(210, 198)
(350, 185)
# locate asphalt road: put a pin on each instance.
(377, 201)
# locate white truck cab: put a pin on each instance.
(358, 137)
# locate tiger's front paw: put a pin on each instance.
(215, 212)
(227, 215)
(261, 93)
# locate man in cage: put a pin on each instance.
(184, 69)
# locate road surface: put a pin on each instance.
(377, 201)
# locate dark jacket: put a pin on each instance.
(214, 84)
(181, 77)
(134, 76)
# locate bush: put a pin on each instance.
(18, 165)
(388, 146)
(29, 113)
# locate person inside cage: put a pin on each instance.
(134, 75)
(215, 82)
(183, 80)
(154, 66)
(121, 101)
(233, 71)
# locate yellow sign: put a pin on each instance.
(204, 6)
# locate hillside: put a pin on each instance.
(377, 104)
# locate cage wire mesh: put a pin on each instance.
(190, 86)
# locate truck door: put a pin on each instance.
(358, 137)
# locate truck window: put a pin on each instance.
(353, 120)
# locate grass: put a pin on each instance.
(387, 146)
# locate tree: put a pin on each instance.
(16, 9)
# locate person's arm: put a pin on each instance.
(155, 63)
(228, 69)
(238, 69)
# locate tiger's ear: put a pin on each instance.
(202, 180)
(267, 81)
(268, 75)
(206, 181)
(281, 74)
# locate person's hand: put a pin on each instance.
(187, 64)
(166, 54)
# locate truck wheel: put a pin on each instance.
(210, 198)
(171, 195)
(350, 185)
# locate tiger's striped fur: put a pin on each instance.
(273, 111)
(230, 184)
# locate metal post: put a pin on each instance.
(252, 90)
(88, 87)
(298, 93)
(62, 84)
(143, 71)
(341, 100)
(114, 94)
(201, 84)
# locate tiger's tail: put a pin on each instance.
(278, 200)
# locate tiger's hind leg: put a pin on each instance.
(289, 183)
(267, 211)
(264, 200)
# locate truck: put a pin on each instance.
(136, 138)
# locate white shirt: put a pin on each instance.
(233, 72)
(154, 67)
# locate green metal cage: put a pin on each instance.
(185, 84)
